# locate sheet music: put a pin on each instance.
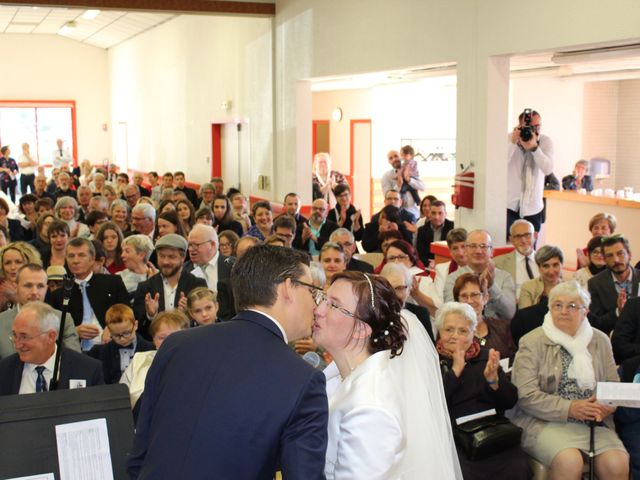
(474, 416)
(619, 394)
(83, 450)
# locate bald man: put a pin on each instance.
(312, 235)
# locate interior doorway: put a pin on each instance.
(229, 150)
(321, 137)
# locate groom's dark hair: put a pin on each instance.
(255, 277)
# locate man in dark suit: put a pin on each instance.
(611, 288)
(206, 261)
(434, 230)
(292, 208)
(248, 404)
(345, 238)
(92, 293)
(30, 370)
(138, 179)
(387, 219)
(168, 289)
(189, 192)
(312, 235)
(626, 336)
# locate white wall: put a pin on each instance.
(333, 37)
(560, 101)
(167, 85)
(50, 67)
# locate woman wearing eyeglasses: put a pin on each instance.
(490, 332)
(556, 370)
(474, 383)
(387, 412)
(422, 290)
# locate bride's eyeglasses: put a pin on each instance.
(319, 297)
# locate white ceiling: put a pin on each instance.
(106, 30)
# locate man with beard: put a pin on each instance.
(312, 235)
(170, 288)
(611, 288)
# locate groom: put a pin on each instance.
(232, 400)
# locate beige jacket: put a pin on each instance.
(536, 373)
(530, 292)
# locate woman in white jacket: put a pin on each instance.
(387, 413)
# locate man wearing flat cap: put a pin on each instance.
(168, 289)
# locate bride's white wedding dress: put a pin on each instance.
(388, 419)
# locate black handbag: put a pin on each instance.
(486, 436)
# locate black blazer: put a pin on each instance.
(604, 299)
(333, 216)
(186, 283)
(233, 225)
(626, 336)
(424, 317)
(144, 192)
(242, 405)
(190, 194)
(109, 356)
(225, 264)
(370, 239)
(355, 265)
(73, 366)
(425, 237)
(103, 291)
(325, 232)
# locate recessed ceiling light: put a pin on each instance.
(90, 14)
(67, 28)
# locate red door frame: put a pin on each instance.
(352, 159)
(314, 141)
(51, 103)
(216, 150)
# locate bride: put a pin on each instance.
(387, 412)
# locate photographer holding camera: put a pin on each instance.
(530, 160)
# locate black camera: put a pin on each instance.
(526, 131)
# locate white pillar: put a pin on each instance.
(483, 100)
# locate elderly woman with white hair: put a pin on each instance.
(474, 383)
(556, 370)
(67, 210)
(136, 250)
(325, 180)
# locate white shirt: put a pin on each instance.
(169, 294)
(389, 181)
(521, 270)
(284, 334)
(527, 199)
(29, 374)
(210, 272)
(26, 170)
(61, 157)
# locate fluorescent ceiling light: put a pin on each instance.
(596, 55)
(90, 14)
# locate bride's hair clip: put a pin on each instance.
(383, 334)
(373, 305)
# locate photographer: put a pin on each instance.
(530, 160)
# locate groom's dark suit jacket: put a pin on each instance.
(231, 401)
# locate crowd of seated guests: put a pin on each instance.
(153, 256)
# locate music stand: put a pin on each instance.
(27, 427)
